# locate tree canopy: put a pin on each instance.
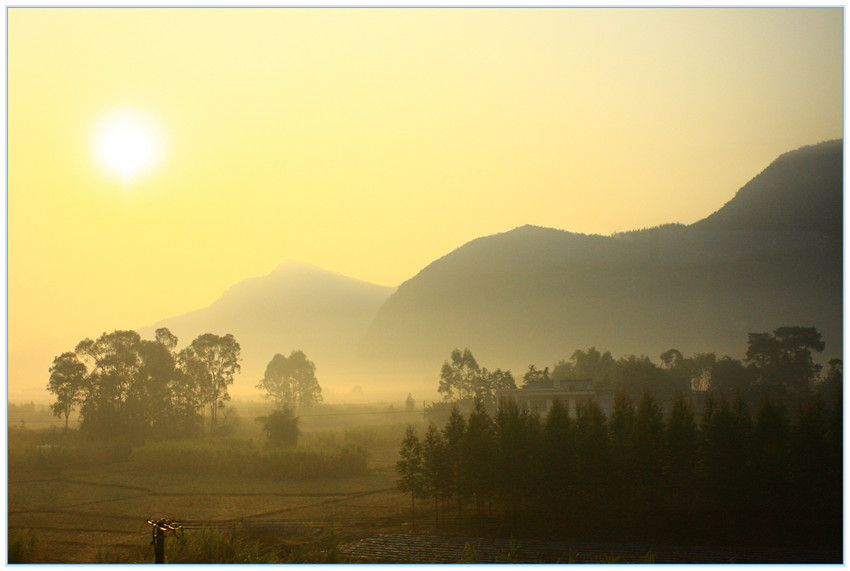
(291, 382)
(129, 387)
(463, 380)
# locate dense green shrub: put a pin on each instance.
(281, 428)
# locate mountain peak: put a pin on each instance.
(295, 264)
(534, 294)
(799, 191)
(299, 267)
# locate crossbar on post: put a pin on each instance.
(160, 526)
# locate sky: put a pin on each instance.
(369, 141)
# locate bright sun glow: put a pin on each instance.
(126, 145)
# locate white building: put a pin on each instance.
(572, 393)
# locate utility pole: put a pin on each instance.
(161, 526)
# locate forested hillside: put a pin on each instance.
(768, 258)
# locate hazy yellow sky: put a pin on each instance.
(373, 141)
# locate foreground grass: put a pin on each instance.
(23, 546)
(60, 483)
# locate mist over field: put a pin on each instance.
(771, 256)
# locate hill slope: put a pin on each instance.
(770, 257)
(296, 306)
(800, 191)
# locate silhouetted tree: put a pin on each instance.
(621, 427)
(729, 377)
(642, 473)
(67, 378)
(166, 338)
(478, 456)
(671, 358)
(589, 364)
(771, 450)
(281, 428)
(591, 454)
(490, 382)
(648, 446)
(811, 470)
(559, 455)
(152, 390)
(831, 391)
(783, 360)
(517, 453)
(410, 470)
(459, 378)
(409, 403)
(218, 357)
(534, 378)
(726, 460)
(637, 375)
(133, 388)
(681, 440)
(291, 382)
(436, 468)
(190, 386)
(453, 434)
(108, 408)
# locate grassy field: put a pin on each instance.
(71, 502)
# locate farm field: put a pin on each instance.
(91, 504)
(98, 512)
(78, 514)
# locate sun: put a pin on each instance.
(127, 144)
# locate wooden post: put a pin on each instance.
(159, 544)
(161, 526)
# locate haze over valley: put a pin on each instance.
(769, 257)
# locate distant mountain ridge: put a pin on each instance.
(799, 191)
(296, 306)
(769, 257)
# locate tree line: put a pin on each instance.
(127, 387)
(778, 365)
(696, 446)
(637, 471)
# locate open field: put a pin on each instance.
(91, 505)
(76, 514)
(83, 512)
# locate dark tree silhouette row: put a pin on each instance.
(637, 472)
(730, 471)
